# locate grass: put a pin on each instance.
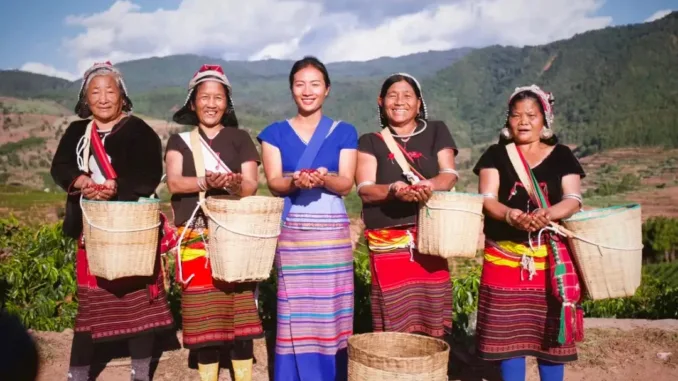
(21, 198)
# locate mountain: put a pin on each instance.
(613, 87)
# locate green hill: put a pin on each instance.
(614, 87)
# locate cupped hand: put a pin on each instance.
(108, 191)
(521, 220)
(540, 219)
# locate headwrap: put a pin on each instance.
(187, 116)
(82, 108)
(423, 111)
(545, 98)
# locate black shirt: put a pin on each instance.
(136, 155)
(234, 147)
(423, 148)
(549, 173)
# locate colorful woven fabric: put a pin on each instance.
(214, 312)
(315, 304)
(411, 292)
(564, 278)
(516, 316)
(120, 308)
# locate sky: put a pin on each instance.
(64, 37)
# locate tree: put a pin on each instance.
(660, 237)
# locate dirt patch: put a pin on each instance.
(612, 350)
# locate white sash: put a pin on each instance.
(211, 160)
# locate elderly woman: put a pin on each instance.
(410, 292)
(528, 291)
(126, 163)
(214, 312)
(310, 160)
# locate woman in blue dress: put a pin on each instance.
(310, 160)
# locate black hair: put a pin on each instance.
(521, 96)
(306, 62)
(387, 85)
(228, 119)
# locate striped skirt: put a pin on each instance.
(120, 308)
(315, 304)
(411, 292)
(214, 312)
(518, 316)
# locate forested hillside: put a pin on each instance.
(613, 87)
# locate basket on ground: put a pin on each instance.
(608, 250)
(121, 237)
(243, 234)
(449, 224)
(395, 356)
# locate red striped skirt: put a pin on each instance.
(215, 312)
(411, 292)
(120, 308)
(517, 317)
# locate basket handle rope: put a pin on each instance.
(89, 221)
(452, 209)
(558, 229)
(178, 247)
(207, 212)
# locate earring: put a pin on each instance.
(546, 133)
(506, 133)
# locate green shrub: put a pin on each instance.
(654, 299)
(38, 268)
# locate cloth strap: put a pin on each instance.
(564, 278)
(411, 174)
(323, 129)
(92, 141)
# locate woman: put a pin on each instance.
(126, 164)
(520, 313)
(310, 160)
(410, 292)
(214, 312)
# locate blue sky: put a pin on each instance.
(64, 37)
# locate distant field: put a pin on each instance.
(32, 106)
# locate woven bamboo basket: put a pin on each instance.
(121, 237)
(395, 356)
(243, 235)
(449, 224)
(608, 249)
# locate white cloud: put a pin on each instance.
(39, 68)
(233, 29)
(658, 15)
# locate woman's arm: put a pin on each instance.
(444, 181)
(143, 171)
(250, 182)
(366, 173)
(343, 182)
(489, 185)
(567, 207)
(64, 169)
(176, 182)
(272, 159)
